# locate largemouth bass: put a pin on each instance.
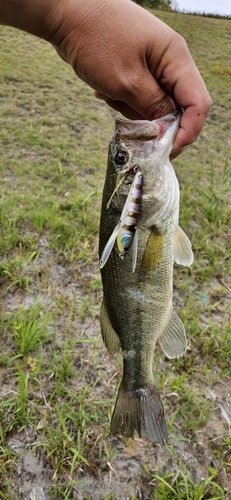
(137, 309)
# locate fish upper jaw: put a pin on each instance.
(148, 136)
(144, 130)
(134, 141)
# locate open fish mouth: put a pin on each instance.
(145, 130)
(144, 137)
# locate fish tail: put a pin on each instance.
(140, 410)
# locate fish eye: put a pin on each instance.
(121, 157)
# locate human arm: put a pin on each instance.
(134, 61)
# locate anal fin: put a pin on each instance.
(173, 340)
(110, 337)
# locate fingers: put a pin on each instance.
(129, 112)
(156, 103)
(184, 82)
(142, 98)
(150, 93)
(176, 151)
(143, 71)
(120, 106)
(192, 122)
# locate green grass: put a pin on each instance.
(58, 383)
(182, 486)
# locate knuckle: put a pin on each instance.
(208, 103)
(162, 105)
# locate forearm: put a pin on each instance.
(38, 17)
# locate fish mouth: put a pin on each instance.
(145, 130)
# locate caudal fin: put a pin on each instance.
(140, 410)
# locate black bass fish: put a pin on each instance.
(137, 309)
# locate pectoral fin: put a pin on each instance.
(109, 335)
(182, 248)
(173, 340)
(153, 254)
(108, 247)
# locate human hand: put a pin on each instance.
(135, 62)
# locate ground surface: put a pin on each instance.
(58, 383)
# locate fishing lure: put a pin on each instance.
(133, 168)
(126, 231)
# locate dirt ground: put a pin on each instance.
(126, 473)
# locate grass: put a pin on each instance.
(182, 486)
(58, 384)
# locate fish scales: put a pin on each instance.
(137, 307)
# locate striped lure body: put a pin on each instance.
(130, 216)
(126, 230)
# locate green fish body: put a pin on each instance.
(137, 308)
